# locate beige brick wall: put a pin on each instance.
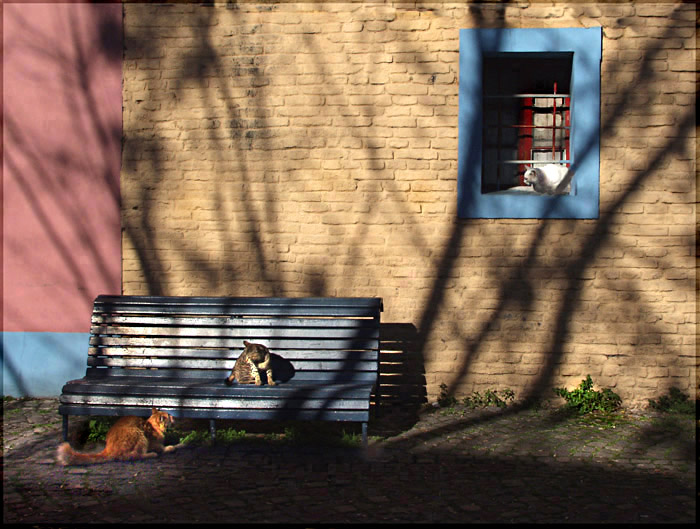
(311, 149)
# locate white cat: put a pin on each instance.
(550, 179)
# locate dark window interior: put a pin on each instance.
(526, 115)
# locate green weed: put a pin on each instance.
(499, 398)
(675, 402)
(98, 428)
(445, 400)
(585, 399)
(230, 435)
(491, 397)
(195, 437)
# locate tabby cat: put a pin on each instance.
(246, 370)
(128, 438)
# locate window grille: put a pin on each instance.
(524, 129)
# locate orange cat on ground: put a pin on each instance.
(128, 438)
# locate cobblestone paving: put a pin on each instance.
(483, 466)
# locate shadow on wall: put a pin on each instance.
(401, 371)
(258, 220)
(518, 286)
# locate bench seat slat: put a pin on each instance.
(222, 414)
(207, 387)
(340, 403)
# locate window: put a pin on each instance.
(528, 98)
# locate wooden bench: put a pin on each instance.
(174, 353)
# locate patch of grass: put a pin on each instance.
(292, 434)
(203, 436)
(491, 397)
(230, 435)
(324, 434)
(675, 402)
(44, 425)
(98, 428)
(585, 399)
(499, 398)
(603, 420)
(350, 439)
(194, 437)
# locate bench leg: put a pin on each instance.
(364, 435)
(212, 428)
(65, 427)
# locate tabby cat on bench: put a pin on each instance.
(254, 358)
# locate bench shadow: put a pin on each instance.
(401, 388)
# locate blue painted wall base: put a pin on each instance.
(38, 364)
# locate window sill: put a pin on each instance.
(523, 190)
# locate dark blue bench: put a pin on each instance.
(173, 353)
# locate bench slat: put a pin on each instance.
(340, 403)
(220, 301)
(204, 363)
(221, 374)
(233, 321)
(208, 342)
(221, 414)
(245, 333)
(230, 354)
(204, 387)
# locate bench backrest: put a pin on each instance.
(334, 339)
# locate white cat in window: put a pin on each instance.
(550, 179)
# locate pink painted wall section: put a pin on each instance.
(62, 127)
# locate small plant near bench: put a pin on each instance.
(675, 402)
(584, 399)
(498, 398)
(444, 400)
(98, 428)
(291, 434)
(201, 437)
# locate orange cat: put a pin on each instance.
(128, 438)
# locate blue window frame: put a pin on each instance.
(584, 46)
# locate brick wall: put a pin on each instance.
(311, 149)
